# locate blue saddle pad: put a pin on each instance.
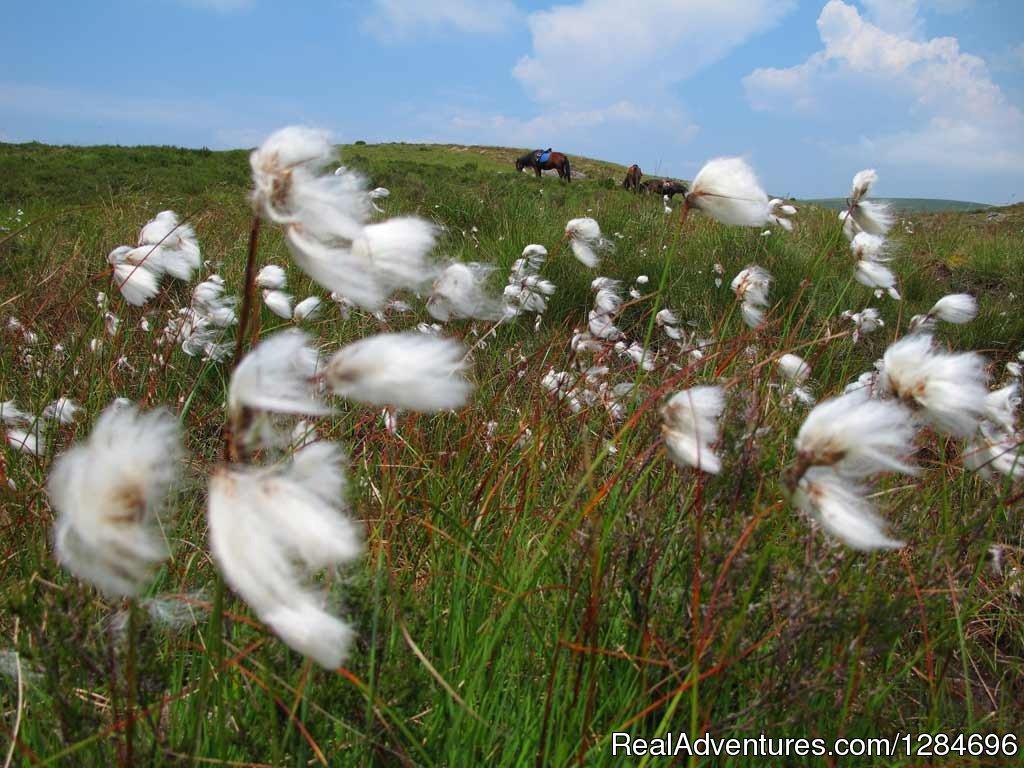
(543, 157)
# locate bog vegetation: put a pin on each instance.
(635, 521)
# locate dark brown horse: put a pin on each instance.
(555, 160)
(632, 181)
(664, 187)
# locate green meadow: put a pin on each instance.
(534, 580)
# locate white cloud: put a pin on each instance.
(572, 126)
(603, 74)
(896, 16)
(961, 117)
(601, 50)
(396, 19)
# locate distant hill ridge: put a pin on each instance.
(908, 204)
(73, 174)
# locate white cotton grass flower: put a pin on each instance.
(561, 387)
(995, 453)
(29, 440)
(108, 492)
(526, 291)
(865, 215)
(727, 189)
(272, 277)
(690, 427)
(136, 284)
(871, 252)
(170, 246)
(608, 296)
(397, 251)
(779, 212)
(408, 370)
(955, 308)
(459, 293)
(841, 507)
(527, 294)
(949, 390)
(375, 194)
(998, 447)
(842, 441)
(10, 413)
(197, 334)
(751, 287)
(864, 322)
(667, 320)
(1002, 405)
(271, 529)
(793, 368)
(857, 436)
(530, 263)
(586, 241)
(601, 325)
(276, 377)
(326, 221)
(63, 410)
(637, 353)
(279, 302)
(307, 309)
(284, 154)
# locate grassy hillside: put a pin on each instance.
(534, 579)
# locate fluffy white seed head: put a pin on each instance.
(841, 508)
(396, 251)
(279, 302)
(794, 368)
(10, 413)
(1002, 405)
(690, 427)
(307, 309)
(406, 370)
(459, 293)
(137, 284)
(875, 275)
(272, 529)
(63, 410)
(30, 440)
(949, 390)
(862, 182)
(958, 308)
(727, 189)
(857, 437)
(752, 284)
(276, 377)
(271, 277)
(586, 241)
(275, 162)
(108, 492)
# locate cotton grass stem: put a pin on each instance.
(250, 291)
(131, 681)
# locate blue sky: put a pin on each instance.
(930, 92)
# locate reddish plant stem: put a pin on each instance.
(250, 290)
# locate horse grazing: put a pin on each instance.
(664, 187)
(545, 160)
(632, 180)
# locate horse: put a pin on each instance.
(555, 160)
(664, 187)
(632, 180)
